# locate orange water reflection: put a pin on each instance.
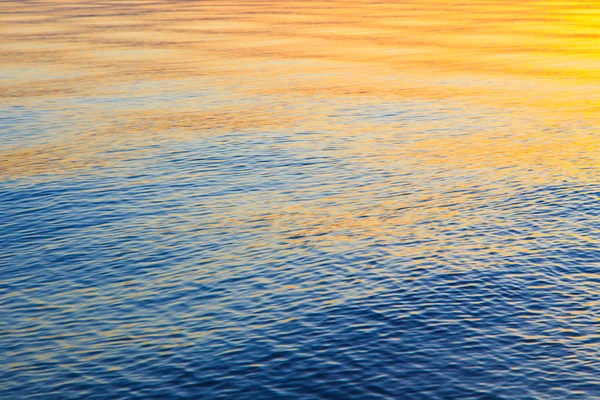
(533, 61)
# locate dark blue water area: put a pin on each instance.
(246, 267)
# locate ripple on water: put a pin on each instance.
(159, 286)
(249, 206)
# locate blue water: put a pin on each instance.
(242, 265)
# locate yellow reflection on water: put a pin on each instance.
(535, 60)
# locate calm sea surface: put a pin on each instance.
(235, 199)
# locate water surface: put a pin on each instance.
(308, 199)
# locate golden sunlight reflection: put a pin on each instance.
(531, 60)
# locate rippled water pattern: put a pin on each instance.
(300, 200)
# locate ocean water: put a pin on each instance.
(299, 200)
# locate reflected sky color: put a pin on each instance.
(300, 199)
(534, 60)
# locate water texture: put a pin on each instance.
(299, 200)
